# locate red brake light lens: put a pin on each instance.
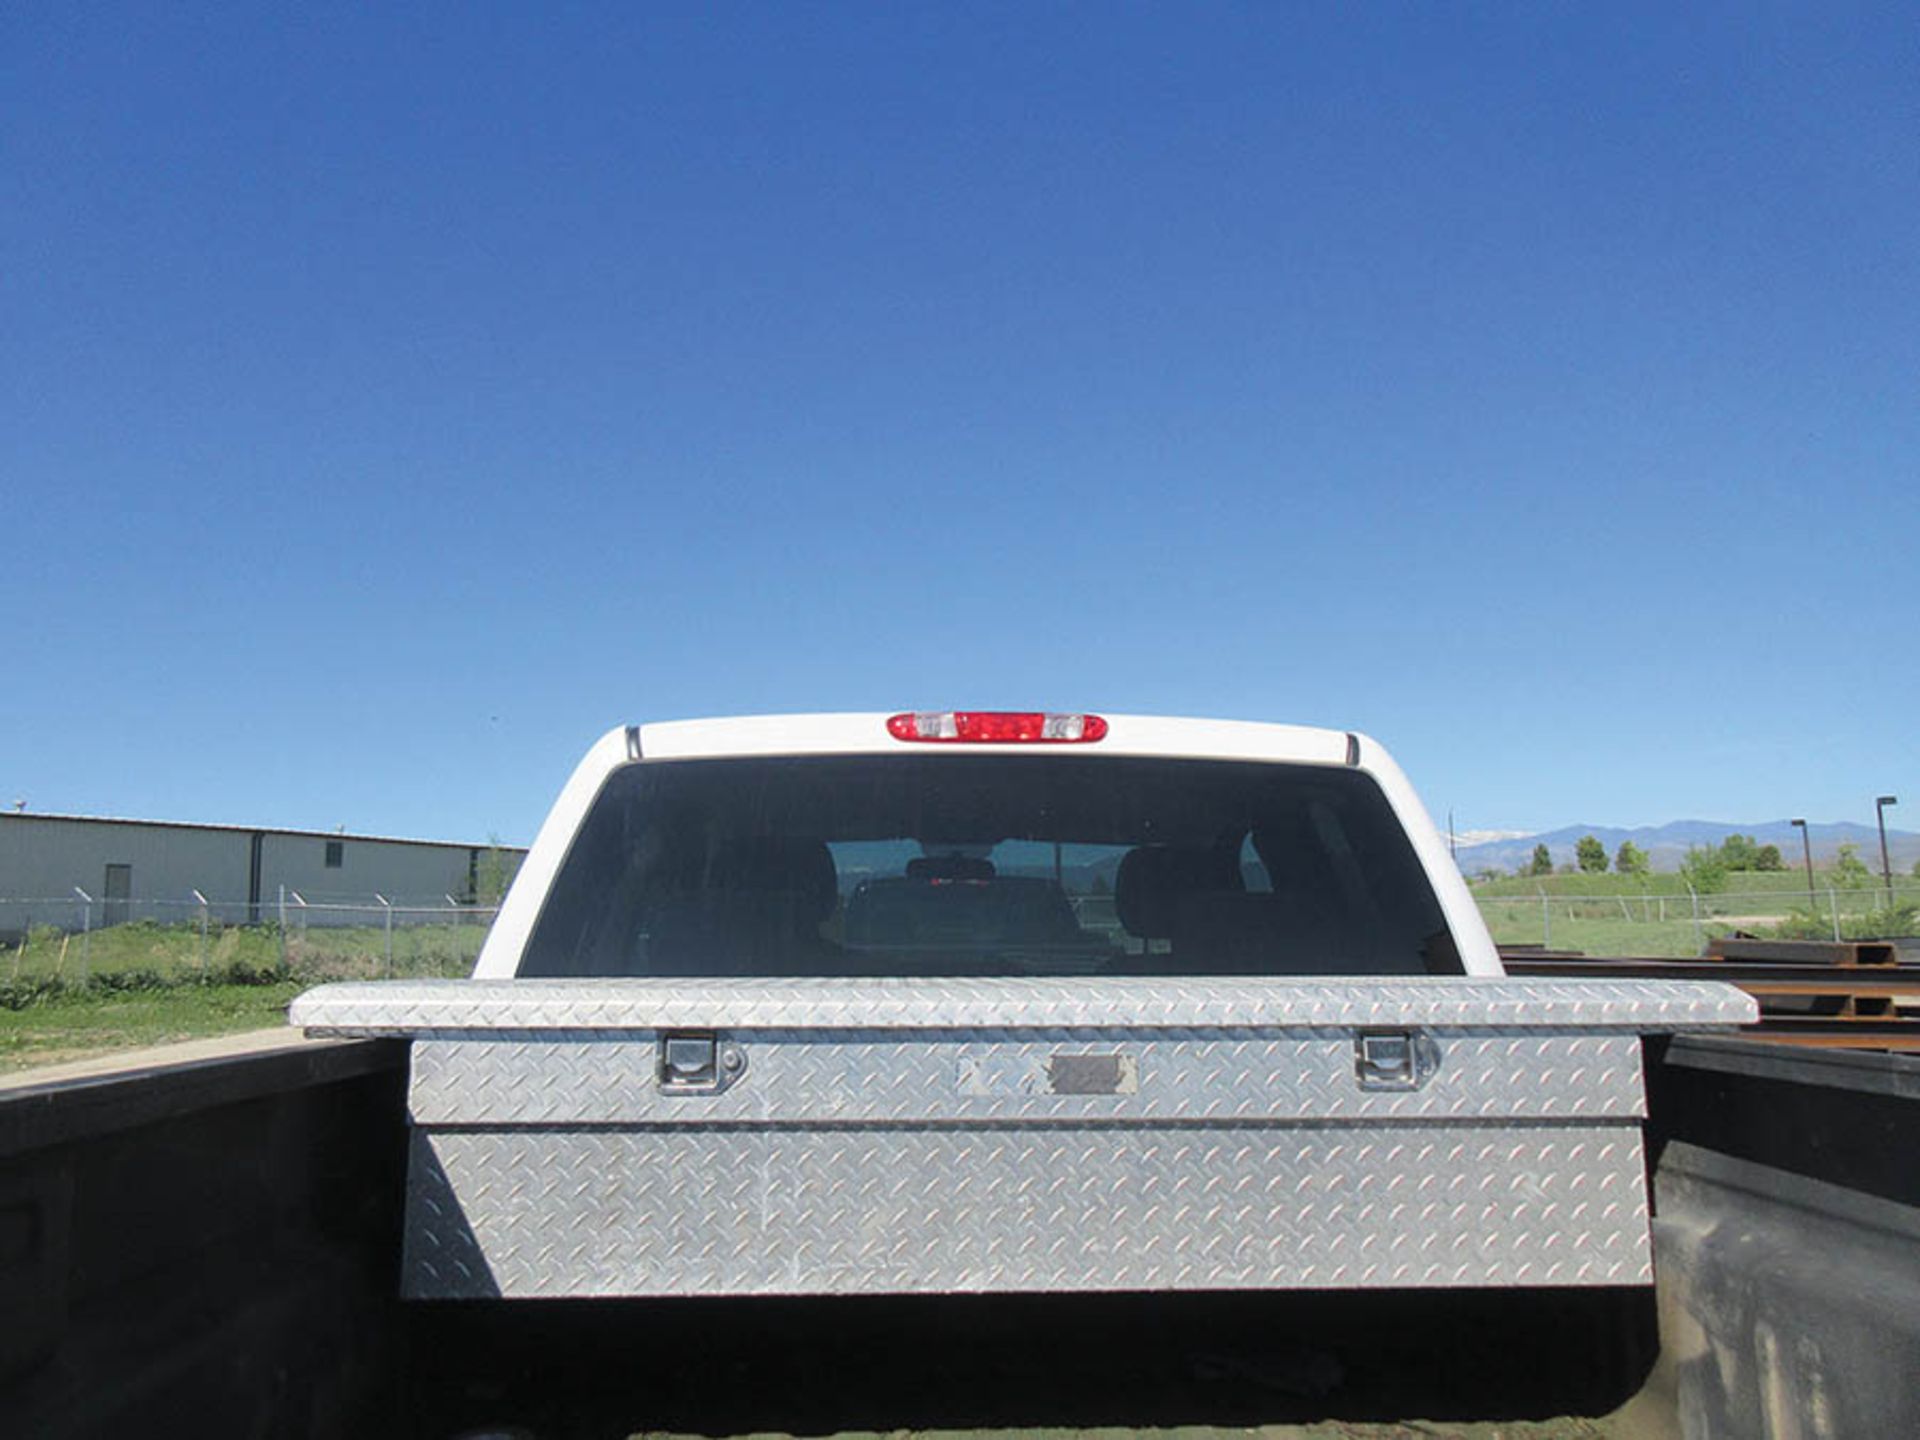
(997, 727)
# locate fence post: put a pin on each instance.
(203, 930)
(86, 933)
(283, 927)
(1699, 942)
(389, 904)
(1546, 920)
(1833, 904)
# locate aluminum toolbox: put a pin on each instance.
(734, 1137)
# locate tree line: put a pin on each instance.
(1709, 863)
(1706, 868)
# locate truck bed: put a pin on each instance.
(212, 1244)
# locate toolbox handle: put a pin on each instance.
(1394, 1059)
(698, 1062)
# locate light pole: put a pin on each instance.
(1806, 848)
(1880, 804)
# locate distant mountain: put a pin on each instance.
(1667, 844)
(1464, 838)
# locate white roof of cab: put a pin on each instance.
(863, 732)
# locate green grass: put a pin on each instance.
(66, 997)
(1585, 916)
(1613, 914)
(1663, 882)
(70, 1025)
(418, 950)
(142, 945)
(1673, 939)
(145, 946)
(63, 996)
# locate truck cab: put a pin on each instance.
(1008, 1001)
(1200, 848)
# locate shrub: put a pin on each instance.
(1898, 920)
(1705, 869)
(1849, 871)
(29, 990)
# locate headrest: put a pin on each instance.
(778, 863)
(1154, 880)
(1294, 857)
(949, 867)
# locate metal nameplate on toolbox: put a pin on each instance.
(655, 1137)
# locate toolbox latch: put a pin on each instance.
(1394, 1059)
(698, 1062)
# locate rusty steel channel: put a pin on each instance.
(1851, 995)
(1803, 952)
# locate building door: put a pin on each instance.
(117, 891)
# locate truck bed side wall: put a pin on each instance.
(209, 1248)
(1786, 1239)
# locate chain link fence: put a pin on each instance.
(1681, 924)
(78, 936)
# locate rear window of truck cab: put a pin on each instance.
(988, 865)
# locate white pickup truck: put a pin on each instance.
(989, 1001)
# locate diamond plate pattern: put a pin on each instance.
(411, 1007)
(841, 1077)
(833, 1211)
(904, 1135)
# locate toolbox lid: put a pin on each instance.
(411, 1007)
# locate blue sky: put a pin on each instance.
(394, 401)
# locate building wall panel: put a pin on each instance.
(45, 857)
(405, 873)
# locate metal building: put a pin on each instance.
(144, 869)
